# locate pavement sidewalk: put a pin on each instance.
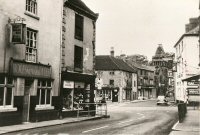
(190, 125)
(26, 126)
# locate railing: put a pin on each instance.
(91, 109)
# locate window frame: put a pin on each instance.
(32, 6)
(79, 27)
(46, 88)
(5, 87)
(78, 59)
(30, 39)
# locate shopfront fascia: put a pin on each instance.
(76, 89)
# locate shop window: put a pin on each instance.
(6, 92)
(44, 91)
(78, 98)
(31, 6)
(31, 46)
(78, 59)
(79, 27)
(67, 99)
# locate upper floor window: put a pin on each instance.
(79, 27)
(111, 82)
(112, 72)
(78, 59)
(31, 46)
(6, 92)
(31, 6)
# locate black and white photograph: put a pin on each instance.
(107, 67)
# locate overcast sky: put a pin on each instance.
(138, 26)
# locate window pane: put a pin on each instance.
(38, 83)
(48, 96)
(2, 79)
(8, 96)
(43, 83)
(43, 96)
(49, 83)
(1, 95)
(38, 96)
(9, 80)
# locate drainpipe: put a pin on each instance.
(60, 64)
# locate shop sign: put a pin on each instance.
(18, 33)
(193, 83)
(79, 85)
(194, 92)
(68, 84)
(25, 69)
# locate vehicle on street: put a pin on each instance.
(161, 100)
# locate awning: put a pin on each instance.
(195, 77)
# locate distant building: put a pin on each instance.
(119, 80)
(163, 63)
(145, 75)
(187, 58)
(78, 56)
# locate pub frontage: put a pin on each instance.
(28, 93)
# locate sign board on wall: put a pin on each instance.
(79, 85)
(18, 33)
(68, 84)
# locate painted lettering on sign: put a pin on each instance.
(30, 70)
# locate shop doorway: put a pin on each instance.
(115, 95)
(26, 101)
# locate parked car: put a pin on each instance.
(161, 100)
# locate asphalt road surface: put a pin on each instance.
(143, 118)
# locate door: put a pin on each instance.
(26, 100)
(115, 95)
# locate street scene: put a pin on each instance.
(125, 118)
(100, 67)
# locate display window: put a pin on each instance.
(67, 99)
(78, 98)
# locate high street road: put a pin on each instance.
(143, 118)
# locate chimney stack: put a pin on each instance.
(112, 52)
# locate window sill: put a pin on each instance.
(38, 108)
(31, 15)
(7, 109)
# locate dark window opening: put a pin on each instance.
(78, 59)
(79, 27)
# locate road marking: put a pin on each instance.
(94, 129)
(140, 114)
(174, 127)
(125, 121)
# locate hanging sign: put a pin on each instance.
(18, 33)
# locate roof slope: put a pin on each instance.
(144, 67)
(81, 6)
(106, 62)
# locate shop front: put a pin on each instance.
(77, 90)
(28, 88)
